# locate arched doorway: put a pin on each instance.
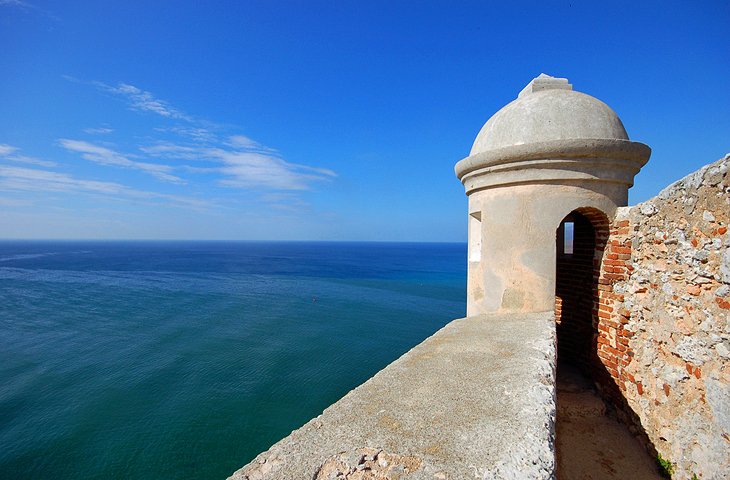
(581, 239)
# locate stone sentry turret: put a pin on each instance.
(548, 153)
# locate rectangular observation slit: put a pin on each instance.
(568, 230)
(475, 236)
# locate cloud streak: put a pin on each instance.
(106, 156)
(98, 131)
(143, 101)
(35, 180)
(26, 6)
(16, 3)
(247, 166)
(8, 152)
(251, 169)
(241, 162)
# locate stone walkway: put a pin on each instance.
(591, 445)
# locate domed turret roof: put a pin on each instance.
(552, 135)
(548, 109)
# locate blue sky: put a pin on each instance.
(292, 120)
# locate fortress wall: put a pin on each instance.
(663, 320)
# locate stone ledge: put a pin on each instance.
(580, 148)
(475, 400)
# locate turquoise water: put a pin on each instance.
(186, 360)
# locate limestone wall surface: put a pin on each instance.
(664, 319)
(474, 401)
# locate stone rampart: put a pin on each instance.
(662, 314)
(474, 401)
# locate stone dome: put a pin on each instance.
(547, 110)
(552, 135)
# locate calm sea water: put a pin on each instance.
(185, 360)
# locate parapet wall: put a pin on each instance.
(474, 401)
(663, 320)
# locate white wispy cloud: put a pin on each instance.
(247, 167)
(240, 160)
(143, 101)
(172, 150)
(28, 7)
(16, 3)
(197, 134)
(9, 152)
(6, 149)
(99, 131)
(35, 180)
(251, 169)
(242, 141)
(106, 156)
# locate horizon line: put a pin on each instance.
(159, 240)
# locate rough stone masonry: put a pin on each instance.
(663, 322)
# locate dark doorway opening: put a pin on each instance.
(576, 290)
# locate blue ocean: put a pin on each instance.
(186, 359)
